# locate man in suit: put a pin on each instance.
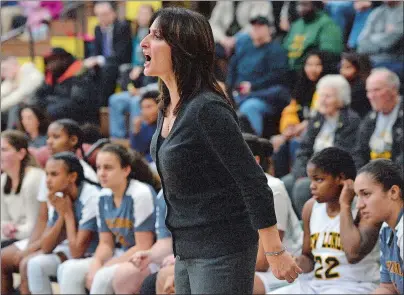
(113, 47)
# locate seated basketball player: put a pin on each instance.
(339, 255)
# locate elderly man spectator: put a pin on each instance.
(19, 83)
(257, 72)
(113, 47)
(382, 37)
(335, 124)
(381, 131)
(313, 30)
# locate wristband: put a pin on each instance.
(276, 253)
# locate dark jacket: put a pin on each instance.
(217, 195)
(359, 100)
(121, 43)
(344, 138)
(72, 95)
(362, 150)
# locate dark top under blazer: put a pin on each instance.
(217, 195)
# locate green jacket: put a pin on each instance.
(321, 33)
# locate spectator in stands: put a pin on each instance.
(132, 75)
(287, 16)
(37, 15)
(34, 122)
(91, 133)
(356, 68)
(380, 134)
(19, 188)
(229, 18)
(379, 186)
(68, 90)
(129, 276)
(382, 37)
(362, 12)
(125, 219)
(145, 125)
(288, 224)
(295, 116)
(313, 30)
(63, 135)
(74, 204)
(342, 13)
(330, 221)
(257, 72)
(267, 151)
(335, 124)
(8, 10)
(113, 47)
(126, 102)
(19, 85)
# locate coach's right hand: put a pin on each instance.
(284, 267)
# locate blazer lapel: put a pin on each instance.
(153, 145)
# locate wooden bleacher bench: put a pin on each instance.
(18, 48)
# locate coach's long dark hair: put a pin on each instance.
(190, 38)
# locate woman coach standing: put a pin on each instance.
(217, 196)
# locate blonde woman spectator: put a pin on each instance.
(19, 84)
(19, 188)
(335, 124)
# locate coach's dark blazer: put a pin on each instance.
(121, 43)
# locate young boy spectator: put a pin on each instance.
(380, 134)
(126, 102)
(145, 125)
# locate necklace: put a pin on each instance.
(169, 121)
(168, 125)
